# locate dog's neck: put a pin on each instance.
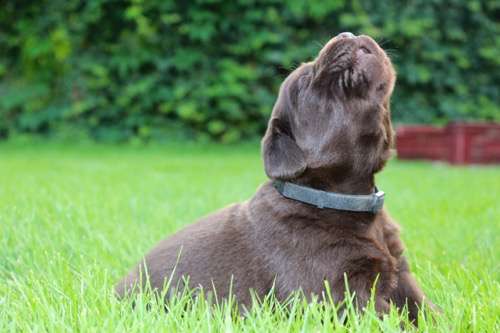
(341, 183)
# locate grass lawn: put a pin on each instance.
(73, 220)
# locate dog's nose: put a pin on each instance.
(346, 35)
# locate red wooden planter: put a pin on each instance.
(457, 143)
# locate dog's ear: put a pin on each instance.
(283, 158)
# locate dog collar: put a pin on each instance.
(355, 203)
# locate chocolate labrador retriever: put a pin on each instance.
(319, 218)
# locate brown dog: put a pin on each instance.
(330, 130)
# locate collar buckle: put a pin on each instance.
(378, 200)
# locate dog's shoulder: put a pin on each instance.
(390, 231)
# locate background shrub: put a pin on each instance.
(120, 70)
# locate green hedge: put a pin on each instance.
(121, 70)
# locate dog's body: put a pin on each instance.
(330, 130)
(272, 241)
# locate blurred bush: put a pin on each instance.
(120, 70)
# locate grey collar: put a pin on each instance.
(355, 203)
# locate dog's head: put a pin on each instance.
(332, 114)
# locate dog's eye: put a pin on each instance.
(303, 81)
(381, 87)
(365, 50)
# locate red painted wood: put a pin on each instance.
(457, 143)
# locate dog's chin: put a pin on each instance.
(354, 81)
(363, 77)
(354, 74)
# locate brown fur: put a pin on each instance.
(330, 129)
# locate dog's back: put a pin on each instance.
(214, 253)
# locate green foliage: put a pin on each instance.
(117, 70)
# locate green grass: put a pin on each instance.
(73, 220)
